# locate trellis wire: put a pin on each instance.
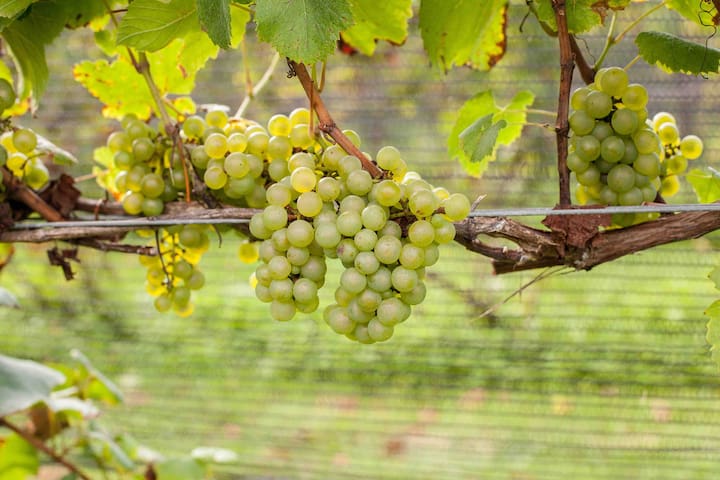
(508, 212)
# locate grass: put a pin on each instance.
(601, 374)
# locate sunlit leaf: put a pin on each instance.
(18, 459)
(696, 11)
(302, 30)
(582, 15)
(481, 121)
(674, 54)
(150, 25)
(24, 382)
(386, 20)
(464, 32)
(705, 184)
(10, 8)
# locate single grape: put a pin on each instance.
(598, 104)
(625, 121)
(7, 94)
(388, 158)
(668, 133)
(635, 97)
(612, 149)
(648, 165)
(691, 147)
(613, 81)
(303, 179)
(621, 178)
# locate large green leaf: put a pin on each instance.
(464, 32)
(582, 15)
(23, 383)
(18, 459)
(482, 126)
(214, 17)
(705, 184)
(386, 20)
(27, 37)
(674, 54)
(149, 25)
(302, 30)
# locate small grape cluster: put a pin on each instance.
(18, 152)
(144, 169)
(675, 153)
(172, 274)
(617, 155)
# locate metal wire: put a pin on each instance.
(502, 212)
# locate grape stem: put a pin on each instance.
(562, 127)
(327, 124)
(40, 445)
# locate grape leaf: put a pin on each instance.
(24, 382)
(582, 15)
(10, 8)
(713, 330)
(464, 32)
(303, 30)
(81, 12)
(18, 459)
(27, 38)
(214, 17)
(705, 184)
(149, 25)
(387, 20)
(694, 10)
(479, 121)
(674, 54)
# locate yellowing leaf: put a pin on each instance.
(386, 20)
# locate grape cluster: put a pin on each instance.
(18, 152)
(617, 155)
(675, 153)
(144, 167)
(172, 274)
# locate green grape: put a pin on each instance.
(123, 160)
(327, 235)
(387, 249)
(581, 123)
(263, 294)
(625, 121)
(368, 300)
(152, 185)
(577, 99)
(279, 239)
(444, 230)
(432, 254)
(298, 116)
(612, 149)
(457, 207)
(373, 217)
(136, 129)
(331, 157)
(589, 177)
(279, 125)
(274, 217)
(359, 182)
(300, 233)
(634, 196)
(152, 207)
(366, 263)
(258, 143)
(278, 194)
(412, 256)
(576, 164)
(691, 147)
(277, 169)
(379, 332)
(608, 196)
(216, 145)
(301, 137)
(613, 81)
(421, 233)
(237, 142)
(352, 203)
(356, 312)
(587, 147)
(423, 203)
(353, 281)
(281, 289)
(648, 165)
(297, 256)
(196, 281)
(119, 141)
(337, 318)
(279, 148)
(216, 118)
(304, 290)
(388, 158)
(163, 303)
(38, 175)
(381, 280)
(349, 223)
(143, 149)
(387, 193)
(215, 178)
(303, 179)
(132, 203)
(257, 166)
(662, 117)
(602, 130)
(193, 127)
(668, 133)
(347, 164)
(404, 279)
(199, 158)
(347, 251)
(621, 178)
(598, 104)
(328, 188)
(635, 97)
(365, 240)
(631, 152)
(236, 165)
(646, 141)
(392, 311)
(353, 136)
(282, 311)
(676, 164)
(416, 295)
(7, 94)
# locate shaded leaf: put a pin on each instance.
(303, 30)
(7, 299)
(674, 54)
(10, 8)
(386, 20)
(18, 459)
(100, 388)
(179, 469)
(26, 38)
(23, 383)
(214, 18)
(705, 184)
(503, 125)
(149, 25)
(463, 32)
